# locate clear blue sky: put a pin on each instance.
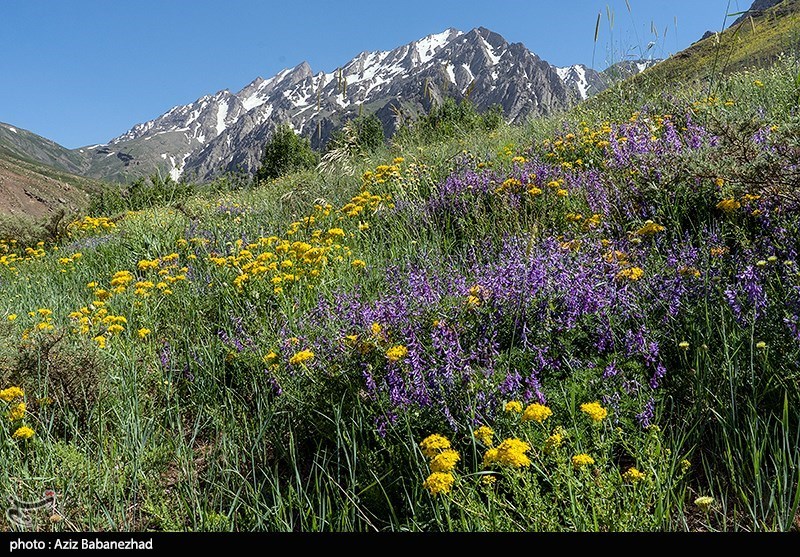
(81, 72)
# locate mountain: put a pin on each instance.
(33, 176)
(588, 82)
(227, 131)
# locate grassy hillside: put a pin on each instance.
(29, 189)
(756, 42)
(40, 178)
(20, 144)
(584, 323)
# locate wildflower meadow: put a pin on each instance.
(590, 322)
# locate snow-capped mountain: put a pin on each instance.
(227, 131)
(585, 81)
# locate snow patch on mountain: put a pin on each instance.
(222, 112)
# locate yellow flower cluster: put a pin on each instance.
(382, 174)
(9, 256)
(17, 410)
(476, 296)
(301, 357)
(91, 224)
(283, 262)
(366, 200)
(650, 229)
(594, 410)
(581, 460)
(396, 353)
(439, 483)
(443, 460)
(11, 393)
(434, 444)
(511, 452)
(554, 441)
(633, 475)
(728, 205)
(573, 151)
(65, 261)
(510, 185)
(536, 413)
(632, 274)
(96, 320)
(513, 406)
(485, 435)
(23, 432)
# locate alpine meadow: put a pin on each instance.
(445, 288)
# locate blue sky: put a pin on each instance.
(81, 72)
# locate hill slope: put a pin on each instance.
(755, 41)
(38, 176)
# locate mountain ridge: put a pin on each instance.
(225, 131)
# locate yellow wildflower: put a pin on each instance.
(17, 412)
(433, 445)
(650, 228)
(445, 461)
(143, 332)
(632, 475)
(439, 483)
(12, 317)
(553, 442)
(301, 357)
(593, 409)
(23, 432)
(728, 205)
(9, 394)
(632, 274)
(511, 452)
(485, 435)
(396, 353)
(581, 460)
(537, 413)
(514, 406)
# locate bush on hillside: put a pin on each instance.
(285, 152)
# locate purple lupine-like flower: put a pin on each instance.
(645, 417)
(273, 383)
(611, 370)
(164, 356)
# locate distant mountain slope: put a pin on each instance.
(22, 144)
(33, 176)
